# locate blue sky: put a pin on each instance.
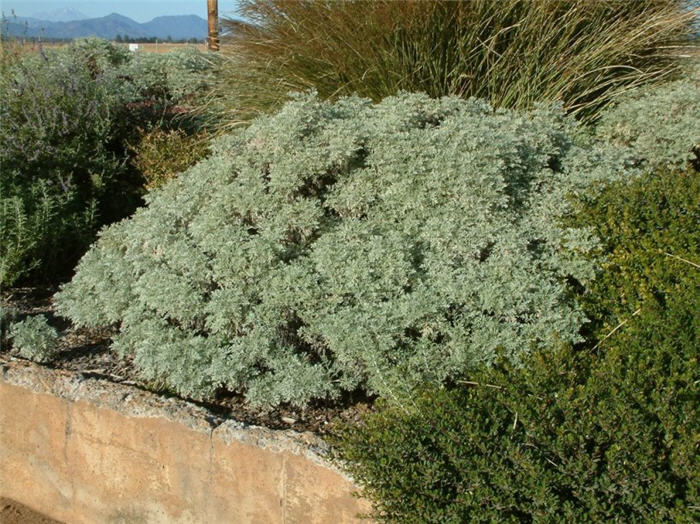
(139, 10)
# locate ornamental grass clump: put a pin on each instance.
(512, 53)
(350, 246)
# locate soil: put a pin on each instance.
(87, 351)
(12, 512)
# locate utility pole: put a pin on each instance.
(213, 18)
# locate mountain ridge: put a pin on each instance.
(63, 14)
(176, 27)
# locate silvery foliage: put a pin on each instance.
(35, 339)
(660, 123)
(332, 247)
(183, 73)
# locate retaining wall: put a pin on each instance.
(84, 450)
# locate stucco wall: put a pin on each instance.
(85, 450)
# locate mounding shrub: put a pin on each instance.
(609, 432)
(513, 53)
(660, 123)
(332, 247)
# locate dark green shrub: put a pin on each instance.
(651, 241)
(37, 221)
(332, 247)
(604, 433)
(67, 117)
(512, 53)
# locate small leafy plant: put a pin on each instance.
(35, 339)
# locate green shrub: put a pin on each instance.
(56, 118)
(67, 117)
(651, 241)
(36, 220)
(661, 123)
(160, 155)
(566, 438)
(35, 339)
(512, 53)
(59, 157)
(606, 433)
(174, 87)
(341, 246)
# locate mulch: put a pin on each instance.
(87, 351)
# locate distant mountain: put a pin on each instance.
(180, 27)
(65, 14)
(176, 27)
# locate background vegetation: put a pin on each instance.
(69, 119)
(160, 155)
(661, 125)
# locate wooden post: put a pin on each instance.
(213, 17)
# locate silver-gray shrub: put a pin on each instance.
(176, 83)
(661, 123)
(333, 247)
(183, 73)
(35, 339)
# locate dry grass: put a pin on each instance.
(511, 52)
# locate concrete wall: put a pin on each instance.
(85, 450)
